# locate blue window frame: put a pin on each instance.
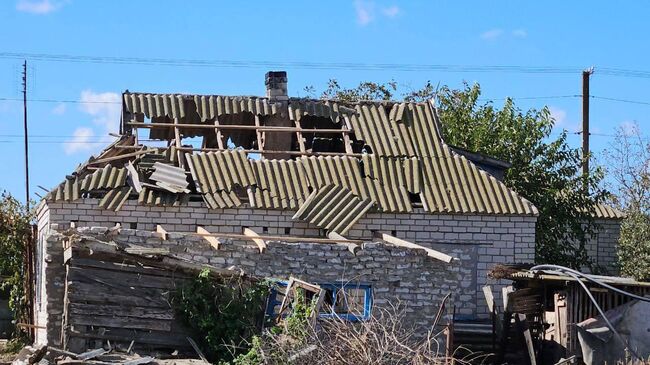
(349, 301)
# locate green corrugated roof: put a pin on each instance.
(407, 160)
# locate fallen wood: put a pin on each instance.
(91, 354)
(403, 243)
(139, 361)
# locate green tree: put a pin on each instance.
(545, 170)
(628, 162)
(15, 232)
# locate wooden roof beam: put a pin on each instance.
(213, 241)
(403, 243)
(253, 236)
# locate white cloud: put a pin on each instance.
(365, 11)
(520, 33)
(391, 11)
(558, 115)
(38, 6)
(104, 108)
(59, 109)
(492, 34)
(80, 141)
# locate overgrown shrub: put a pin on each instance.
(224, 313)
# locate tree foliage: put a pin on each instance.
(225, 313)
(545, 170)
(15, 232)
(628, 165)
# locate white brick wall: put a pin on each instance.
(483, 240)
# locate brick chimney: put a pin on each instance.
(276, 85)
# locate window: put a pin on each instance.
(349, 301)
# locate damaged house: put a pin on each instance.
(362, 198)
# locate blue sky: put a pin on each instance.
(563, 34)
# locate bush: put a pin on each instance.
(224, 313)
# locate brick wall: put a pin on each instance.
(602, 248)
(479, 241)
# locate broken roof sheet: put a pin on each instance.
(403, 163)
(334, 208)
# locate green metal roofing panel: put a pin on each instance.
(218, 171)
(115, 198)
(334, 208)
(196, 108)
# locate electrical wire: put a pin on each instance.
(223, 63)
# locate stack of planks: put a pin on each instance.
(120, 299)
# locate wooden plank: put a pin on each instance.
(213, 241)
(237, 127)
(118, 279)
(403, 243)
(218, 134)
(489, 298)
(139, 250)
(120, 310)
(177, 141)
(118, 157)
(162, 231)
(527, 337)
(346, 136)
(121, 322)
(159, 338)
(259, 135)
(252, 235)
(301, 139)
(352, 247)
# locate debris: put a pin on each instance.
(404, 243)
(170, 178)
(30, 355)
(92, 354)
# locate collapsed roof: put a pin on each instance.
(287, 153)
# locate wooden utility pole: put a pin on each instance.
(25, 130)
(585, 120)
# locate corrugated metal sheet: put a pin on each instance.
(318, 108)
(394, 171)
(150, 196)
(220, 171)
(279, 184)
(115, 198)
(169, 177)
(188, 107)
(346, 172)
(107, 178)
(334, 208)
(453, 184)
(607, 212)
(222, 199)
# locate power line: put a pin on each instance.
(289, 64)
(63, 101)
(621, 100)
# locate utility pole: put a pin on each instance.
(585, 120)
(26, 139)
